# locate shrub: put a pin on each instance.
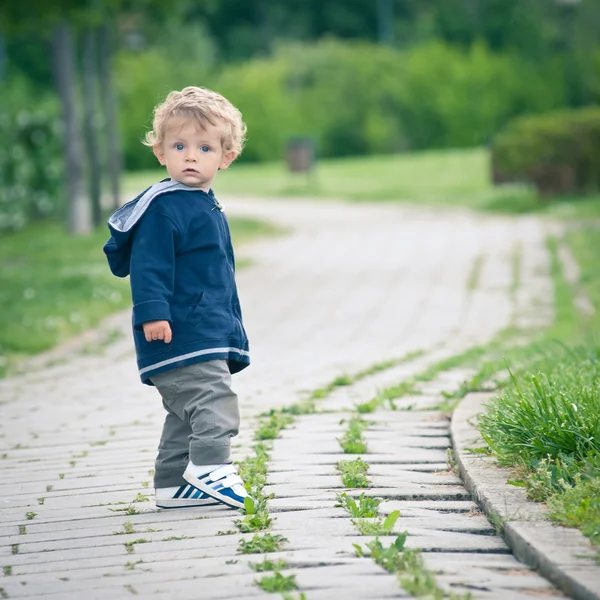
(558, 152)
(352, 98)
(30, 155)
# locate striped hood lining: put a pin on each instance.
(124, 219)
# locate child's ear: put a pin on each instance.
(227, 159)
(158, 152)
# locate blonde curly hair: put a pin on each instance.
(204, 106)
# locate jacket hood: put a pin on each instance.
(123, 221)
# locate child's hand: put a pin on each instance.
(157, 330)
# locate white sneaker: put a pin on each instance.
(223, 483)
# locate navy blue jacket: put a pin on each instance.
(173, 241)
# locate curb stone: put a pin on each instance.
(562, 555)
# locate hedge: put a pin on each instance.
(558, 152)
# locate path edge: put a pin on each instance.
(562, 555)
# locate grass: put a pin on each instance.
(261, 544)
(268, 565)
(277, 583)
(409, 566)
(451, 177)
(271, 424)
(363, 507)
(353, 473)
(546, 421)
(53, 286)
(346, 380)
(377, 526)
(352, 441)
(130, 546)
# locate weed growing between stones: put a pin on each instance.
(409, 566)
(277, 583)
(353, 473)
(268, 565)
(364, 507)
(261, 544)
(14, 549)
(141, 498)
(7, 570)
(269, 427)
(227, 532)
(30, 515)
(130, 565)
(22, 529)
(377, 526)
(130, 546)
(257, 516)
(352, 441)
(253, 470)
(127, 528)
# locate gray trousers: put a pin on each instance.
(202, 417)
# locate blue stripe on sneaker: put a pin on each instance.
(189, 492)
(231, 494)
(178, 492)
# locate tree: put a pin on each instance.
(90, 122)
(78, 213)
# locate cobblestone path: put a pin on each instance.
(346, 287)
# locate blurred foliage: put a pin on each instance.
(457, 72)
(30, 155)
(558, 152)
(430, 96)
(184, 56)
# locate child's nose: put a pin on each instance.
(190, 156)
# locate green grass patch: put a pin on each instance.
(546, 422)
(277, 583)
(53, 286)
(352, 441)
(362, 507)
(354, 473)
(409, 566)
(377, 526)
(130, 546)
(455, 177)
(261, 544)
(449, 177)
(271, 424)
(268, 565)
(257, 516)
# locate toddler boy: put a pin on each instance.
(173, 241)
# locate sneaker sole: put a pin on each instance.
(193, 480)
(185, 503)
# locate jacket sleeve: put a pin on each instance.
(153, 268)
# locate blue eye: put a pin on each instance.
(179, 146)
(205, 148)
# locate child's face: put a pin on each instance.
(192, 154)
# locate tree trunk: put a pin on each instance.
(3, 58)
(78, 214)
(385, 22)
(114, 161)
(90, 118)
